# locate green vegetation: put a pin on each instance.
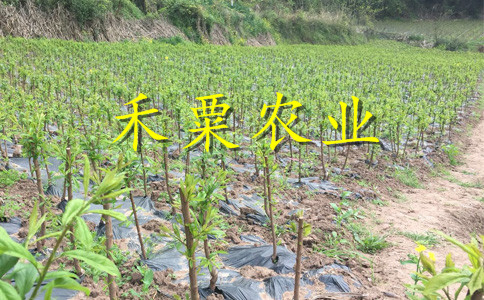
(10, 177)
(427, 239)
(452, 153)
(408, 177)
(82, 87)
(433, 284)
(453, 35)
(370, 243)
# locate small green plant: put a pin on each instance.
(427, 239)
(337, 246)
(452, 153)
(370, 243)
(10, 177)
(408, 177)
(10, 208)
(344, 212)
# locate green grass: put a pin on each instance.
(476, 185)
(427, 239)
(408, 177)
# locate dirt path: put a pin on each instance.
(452, 202)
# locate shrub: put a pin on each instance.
(451, 44)
(452, 152)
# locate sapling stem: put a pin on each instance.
(206, 248)
(271, 214)
(322, 152)
(299, 173)
(77, 266)
(142, 163)
(300, 227)
(167, 180)
(222, 160)
(135, 215)
(40, 190)
(264, 186)
(291, 153)
(192, 263)
(346, 157)
(109, 244)
(49, 262)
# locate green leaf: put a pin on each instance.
(96, 261)
(82, 233)
(64, 283)
(466, 248)
(427, 263)
(74, 208)
(113, 195)
(53, 234)
(115, 214)
(448, 261)
(6, 263)
(33, 220)
(147, 280)
(8, 292)
(9, 247)
(25, 275)
(477, 280)
(442, 280)
(59, 274)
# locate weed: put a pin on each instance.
(427, 239)
(336, 246)
(379, 202)
(344, 215)
(452, 152)
(371, 243)
(401, 198)
(408, 177)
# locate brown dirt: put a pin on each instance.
(442, 205)
(265, 39)
(256, 272)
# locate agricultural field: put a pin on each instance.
(462, 32)
(90, 208)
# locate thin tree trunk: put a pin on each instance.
(322, 154)
(222, 160)
(213, 272)
(264, 185)
(138, 229)
(299, 165)
(170, 196)
(70, 196)
(346, 158)
(143, 168)
(271, 214)
(109, 244)
(192, 263)
(290, 151)
(300, 227)
(40, 190)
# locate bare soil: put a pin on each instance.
(443, 204)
